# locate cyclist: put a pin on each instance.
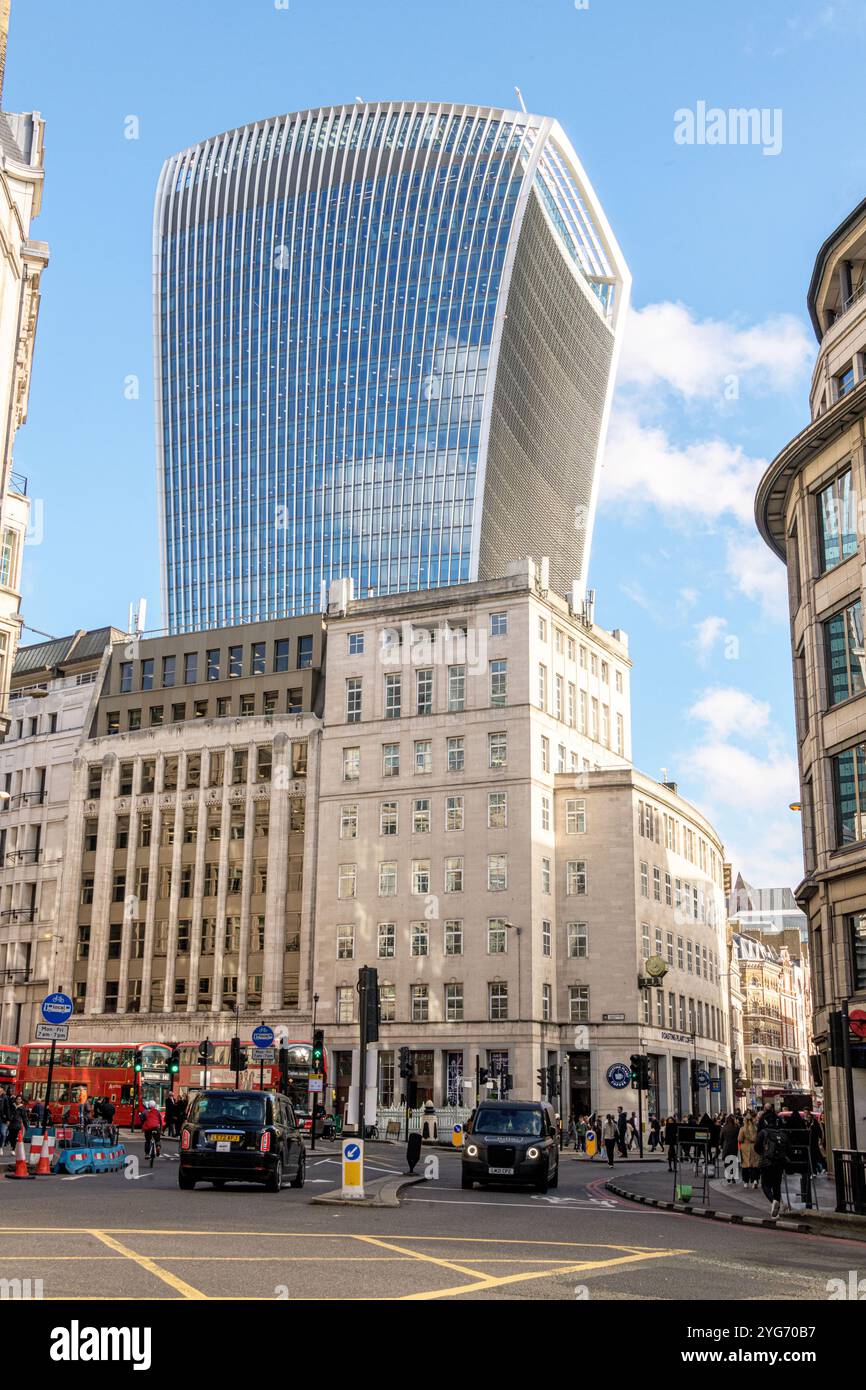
(151, 1127)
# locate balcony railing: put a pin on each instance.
(850, 302)
(23, 856)
(20, 914)
(18, 483)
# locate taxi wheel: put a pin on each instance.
(275, 1180)
(298, 1179)
(554, 1181)
(219, 1182)
(542, 1184)
(465, 1182)
(184, 1181)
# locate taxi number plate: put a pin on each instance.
(501, 1172)
(224, 1140)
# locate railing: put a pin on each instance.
(850, 302)
(446, 1118)
(26, 799)
(20, 914)
(18, 483)
(23, 856)
(849, 1167)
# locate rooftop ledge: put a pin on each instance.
(773, 487)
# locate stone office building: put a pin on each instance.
(188, 890)
(53, 685)
(450, 719)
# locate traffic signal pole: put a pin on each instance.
(640, 1120)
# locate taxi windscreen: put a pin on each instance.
(508, 1120)
(229, 1110)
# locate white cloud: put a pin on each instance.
(667, 345)
(704, 480)
(726, 710)
(710, 631)
(758, 574)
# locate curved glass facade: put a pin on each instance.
(329, 299)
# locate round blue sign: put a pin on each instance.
(263, 1036)
(618, 1076)
(352, 1152)
(56, 1008)
(704, 1078)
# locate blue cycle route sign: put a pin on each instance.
(56, 1008)
(263, 1036)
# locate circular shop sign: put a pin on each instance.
(618, 1076)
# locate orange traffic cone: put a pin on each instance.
(21, 1170)
(43, 1167)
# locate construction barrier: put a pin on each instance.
(86, 1159)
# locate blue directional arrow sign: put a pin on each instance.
(352, 1152)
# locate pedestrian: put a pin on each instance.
(729, 1140)
(816, 1145)
(7, 1110)
(180, 1110)
(633, 1136)
(770, 1147)
(670, 1136)
(746, 1138)
(799, 1156)
(170, 1113)
(621, 1127)
(610, 1135)
(654, 1133)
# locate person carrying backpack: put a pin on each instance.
(770, 1146)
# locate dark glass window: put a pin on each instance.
(169, 668)
(857, 933)
(125, 677)
(843, 638)
(190, 668)
(836, 521)
(281, 654)
(147, 674)
(236, 661)
(849, 781)
(305, 653)
(213, 664)
(257, 659)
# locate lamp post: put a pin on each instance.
(315, 1094)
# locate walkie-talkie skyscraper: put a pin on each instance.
(386, 337)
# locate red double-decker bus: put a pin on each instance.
(127, 1073)
(193, 1075)
(9, 1057)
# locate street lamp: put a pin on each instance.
(509, 926)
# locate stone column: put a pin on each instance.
(274, 954)
(102, 885)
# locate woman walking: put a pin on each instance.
(747, 1136)
(610, 1137)
(729, 1140)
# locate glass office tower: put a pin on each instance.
(385, 342)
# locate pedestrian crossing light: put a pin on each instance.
(138, 1064)
(541, 1077)
(174, 1061)
(318, 1049)
(639, 1071)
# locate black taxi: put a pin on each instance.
(511, 1142)
(241, 1136)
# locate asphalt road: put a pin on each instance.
(112, 1236)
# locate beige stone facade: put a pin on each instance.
(22, 262)
(810, 510)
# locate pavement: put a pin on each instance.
(135, 1236)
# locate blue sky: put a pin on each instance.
(720, 241)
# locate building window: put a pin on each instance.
(454, 875)
(497, 935)
(387, 940)
(419, 999)
(545, 812)
(497, 810)
(419, 939)
(388, 879)
(836, 521)
(644, 879)
(347, 880)
(456, 755)
(546, 1004)
(546, 937)
(542, 686)
(393, 695)
(351, 764)
(213, 664)
(388, 818)
(353, 700)
(857, 935)
(575, 817)
(423, 755)
(346, 942)
(454, 1003)
(498, 624)
(849, 780)
(356, 644)
(390, 759)
(497, 749)
(421, 816)
(498, 682)
(420, 876)
(575, 878)
(454, 937)
(578, 1003)
(345, 1003)
(281, 656)
(577, 940)
(125, 677)
(497, 998)
(843, 645)
(305, 653)
(456, 688)
(545, 875)
(454, 813)
(497, 872)
(424, 692)
(545, 753)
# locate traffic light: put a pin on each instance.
(237, 1058)
(174, 1060)
(639, 1071)
(284, 1070)
(483, 1076)
(406, 1065)
(541, 1076)
(552, 1080)
(318, 1050)
(138, 1063)
(368, 994)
